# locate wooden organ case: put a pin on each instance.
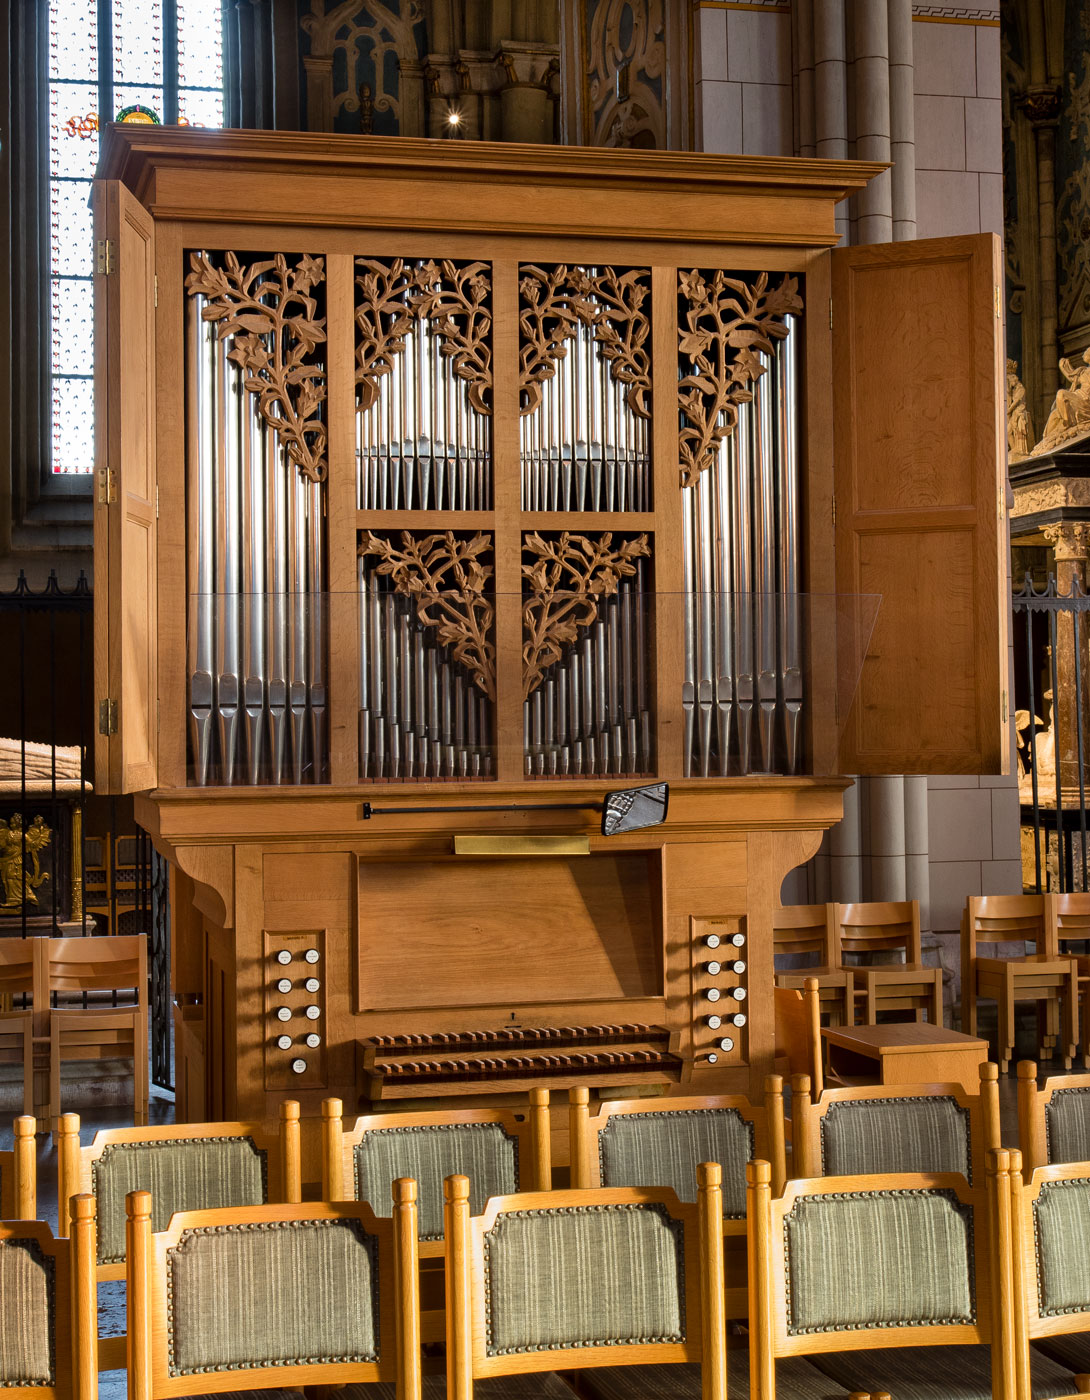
(444, 476)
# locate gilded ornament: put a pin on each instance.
(16, 849)
(1019, 429)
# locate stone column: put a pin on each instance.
(870, 74)
(831, 93)
(887, 838)
(1071, 544)
(846, 852)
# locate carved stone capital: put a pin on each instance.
(1071, 543)
(1042, 104)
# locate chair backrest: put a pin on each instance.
(798, 1031)
(19, 1174)
(17, 966)
(1071, 919)
(501, 1150)
(270, 1296)
(867, 929)
(565, 1279)
(804, 930)
(47, 1284)
(1006, 918)
(96, 965)
(847, 1263)
(1053, 1122)
(878, 1129)
(185, 1166)
(661, 1142)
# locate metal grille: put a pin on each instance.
(162, 1060)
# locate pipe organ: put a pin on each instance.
(443, 488)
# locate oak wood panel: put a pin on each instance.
(496, 933)
(919, 501)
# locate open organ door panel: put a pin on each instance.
(126, 649)
(920, 501)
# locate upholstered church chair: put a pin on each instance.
(270, 1298)
(661, 1142)
(19, 1174)
(1071, 929)
(901, 1282)
(876, 1129)
(185, 1166)
(1053, 1121)
(48, 1319)
(891, 931)
(18, 958)
(798, 1031)
(806, 930)
(1042, 977)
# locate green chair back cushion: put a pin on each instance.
(484, 1152)
(277, 1293)
(583, 1276)
(181, 1174)
(1061, 1222)
(27, 1286)
(879, 1259)
(1067, 1126)
(665, 1149)
(872, 1136)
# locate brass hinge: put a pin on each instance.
(107, 717)
(157, 502)
(834, 510)
(106, 478)
(1004, 714)
(105, 256)
(156, 293)
(830, 313)
(998, 310)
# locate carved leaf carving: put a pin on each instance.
(726, 322)
(552, 304)
(267, 309)
(568, 576)
(452, 297)
(447, 578)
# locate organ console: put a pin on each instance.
(445, 488)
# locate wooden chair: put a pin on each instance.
(1071, 925)
(868, 930)
(186, 1167)
(97, 1032)
(1050, 1228)
(47, 1287)
(661, 1142)
(1042, 977)
(19, 1174)
(890, 1283)
(274, 1296)
(17, 1024)
(807, 930)
(873, 1130)
(1054, 1121)
(798, 1031)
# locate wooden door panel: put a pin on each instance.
(919, 491)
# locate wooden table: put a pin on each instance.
(912, 1052)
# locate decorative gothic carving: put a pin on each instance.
(21, 872)
(1070, 543)
(1070, 415)
(364, 34)
(626, 72)
(1073, 204)
(552, 303)
(568, 576)
(1019, 428)
(268, 310)
(452, 296)
(445, 575)
(725, 322)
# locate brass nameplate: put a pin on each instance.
(522, 845)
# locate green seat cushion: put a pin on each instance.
(577, 1276)
(27, 1355)
(796, 1379)
(1071, 1349)
(879, 1259)
(181, 1174)
(272, 1294)
(1067, 1126)
(935, 1373)
(665, 1148)
(482, 1151)
(1061, 1220)
(872, 1136)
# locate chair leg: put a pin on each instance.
(936, 999)
(1006, 1026)
(54, 1070)
(1070, 994)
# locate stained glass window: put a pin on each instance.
(137, 60)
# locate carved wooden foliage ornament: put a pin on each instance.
(446, 577)
(725, 322)
(453, 297)
(267, 309)
(568, 576)
(552, 303)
